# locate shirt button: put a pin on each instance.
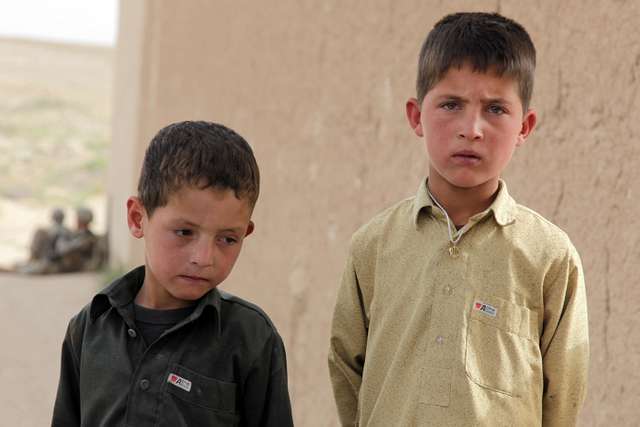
(447, 290)
(144, 384)
(132, 333)
(440, 339)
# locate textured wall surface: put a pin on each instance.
(318, 88)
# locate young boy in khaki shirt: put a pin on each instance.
(459, 307)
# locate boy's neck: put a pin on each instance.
(158, 300)
(462, 203)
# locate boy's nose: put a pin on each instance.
(471, 128)
(203, 252)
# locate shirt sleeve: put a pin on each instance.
(266, 393)
(66, 410)
(565, 344)
(347, 345)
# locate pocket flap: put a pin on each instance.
(201, 390)
(505, 315)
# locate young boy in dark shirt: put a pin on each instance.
(161, 346)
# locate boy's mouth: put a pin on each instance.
(193, 279)
(466, 156)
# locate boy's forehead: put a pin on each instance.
(187, 197)
(465, 78)
(196, 192)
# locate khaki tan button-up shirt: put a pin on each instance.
(496, 336)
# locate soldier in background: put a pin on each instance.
(42, 251)
(44, 240)
(59, 250)
(77, 252)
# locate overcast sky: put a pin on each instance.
(77, 21)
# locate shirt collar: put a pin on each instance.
(124, 290)
(422, 201)
(503, 207)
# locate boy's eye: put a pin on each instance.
(228, 240)
(496, 109)
(183, 232)
(449, 105)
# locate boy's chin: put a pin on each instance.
(183, 296)
(190, 297)
(469, 182)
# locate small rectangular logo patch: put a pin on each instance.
(178, 381)
(487, 309)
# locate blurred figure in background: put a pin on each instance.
(58, 250)
(76, 253)
(42, 251)
(44, 240)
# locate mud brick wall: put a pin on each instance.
(318, 88)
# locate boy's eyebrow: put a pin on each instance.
(459, 98)
(233, 230)
(452, 97)
(497, 101)
(186, 222)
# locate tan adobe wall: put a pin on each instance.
(318, 88)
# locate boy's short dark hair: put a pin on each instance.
(487, 41)
(201, 154)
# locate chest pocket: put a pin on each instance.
(502, 352)
(194, 399)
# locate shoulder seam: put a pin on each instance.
(382, 215)
(230, 298)
(539, 216)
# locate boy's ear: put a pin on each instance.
(528, 124)
(413, 115)
(250, 228)
(135, 217)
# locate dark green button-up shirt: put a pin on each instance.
(224, 365)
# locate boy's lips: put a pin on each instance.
(466, 157)
(193, 278)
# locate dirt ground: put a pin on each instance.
(55, 120)
(34, 312)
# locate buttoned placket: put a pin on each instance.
(149, 364)
(446, 318)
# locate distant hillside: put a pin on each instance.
(55, 112)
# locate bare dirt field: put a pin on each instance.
(55, 113)
(34, 312)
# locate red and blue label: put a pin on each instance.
(179, 382)
(485, 308)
